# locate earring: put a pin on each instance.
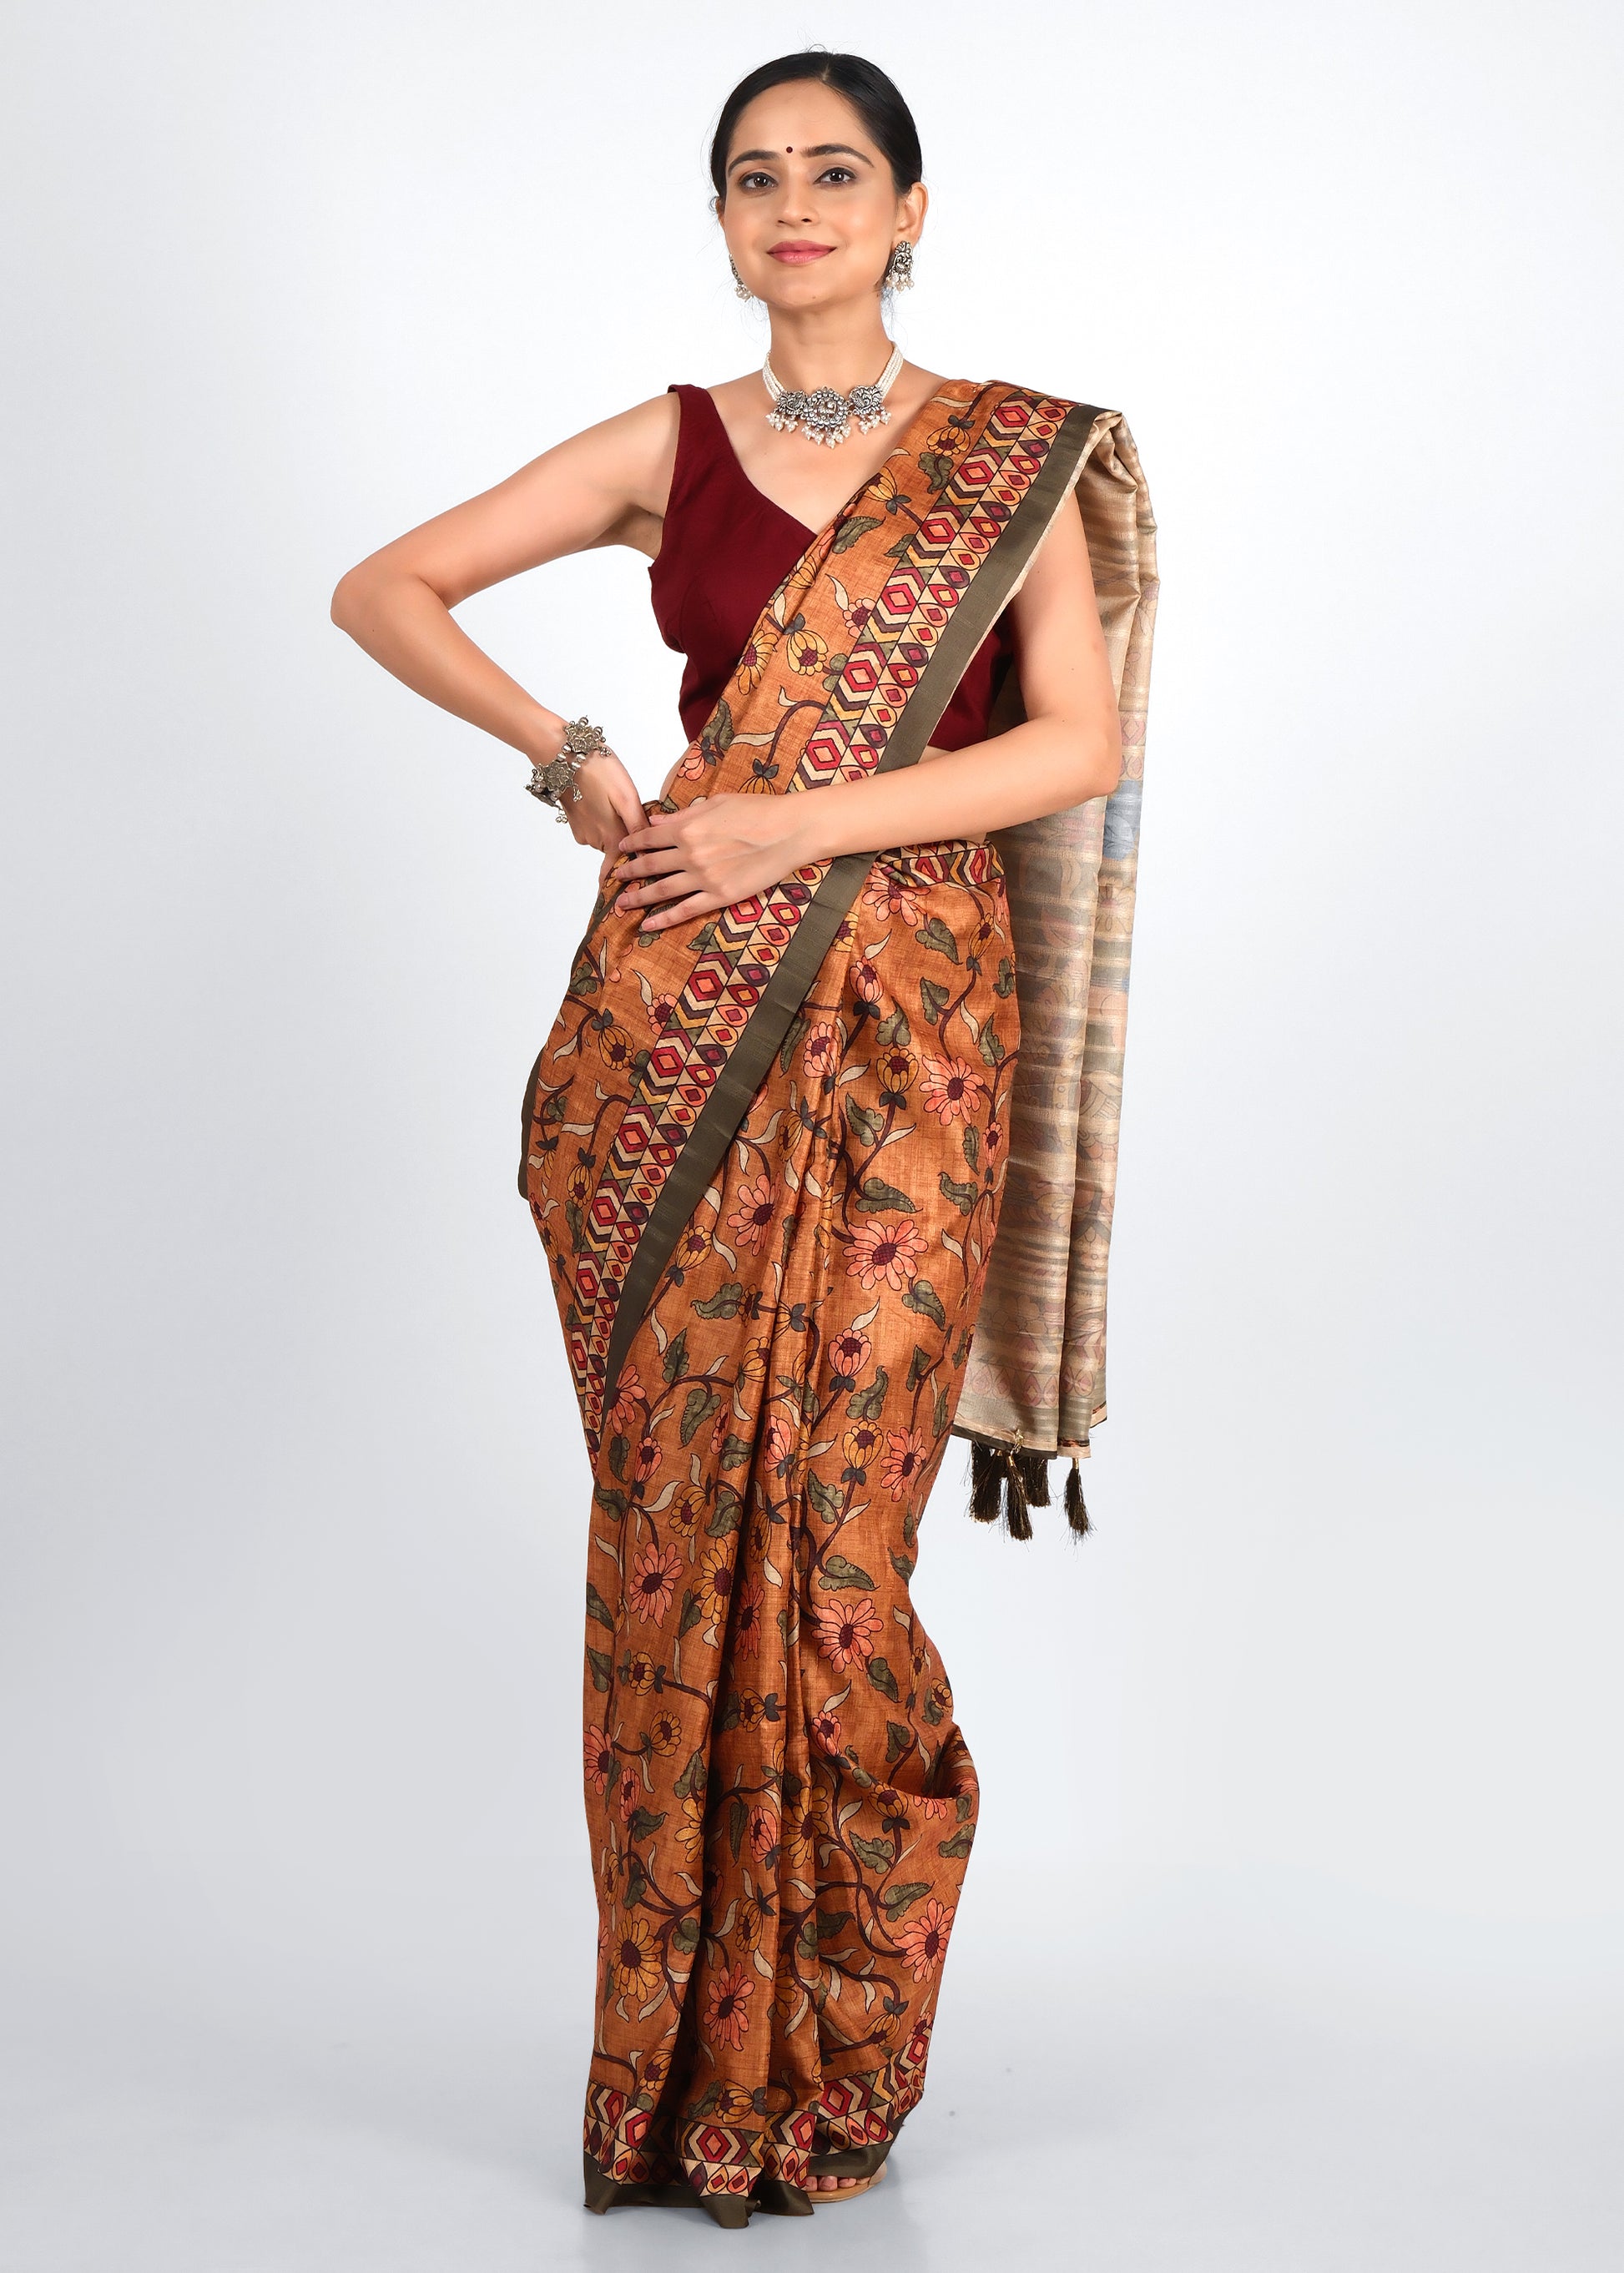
(740, 288)
(899, 275)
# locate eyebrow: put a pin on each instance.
(817, 150)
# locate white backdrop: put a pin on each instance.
(1292, 1938)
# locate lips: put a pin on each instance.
(794, 256)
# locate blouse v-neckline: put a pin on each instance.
(840, 513)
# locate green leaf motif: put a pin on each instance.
(852, 530)
(902, 1565)
(720, 730)
(824, 1497)
(618, 1449)
(919, 1366)
(991, 1048)
(832, 1923)
(898, 1741)
(932, 1709)
(898, 1899)
(933, 1000)
(796, 1028)
(698, 1407)
(691, 1782)
(1004, 983)
(973, 1146)
(597, 1608)
(676, 1357)
(883, 1679)
(868, 1404)
(642, 1824)
(837, 1571)
(735, 1452)
(962, 1196)
(725, 1514)
(958, 1846)
(875, 1193)
(893, 1032)
(685, 1936)
(601, 1664)
(867, 1126)
(724, 1303)
(691, 1614)
(922, 1296)
(738, 1815)
(934, 933)
(875, 1854)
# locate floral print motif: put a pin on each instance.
(780, 1801)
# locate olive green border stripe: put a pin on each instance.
(762, 1035)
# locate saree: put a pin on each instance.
(767, 1153)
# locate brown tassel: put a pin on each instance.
(1077, 1512)
(1034, 1477)
(1017, 1520)
(985, 1478)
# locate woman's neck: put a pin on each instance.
(840, 348)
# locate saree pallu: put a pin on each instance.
(766, 1152)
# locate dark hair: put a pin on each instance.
(865, 87)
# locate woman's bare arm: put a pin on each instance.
(605, 486)
(719, 850)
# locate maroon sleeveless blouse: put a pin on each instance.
(725, 550)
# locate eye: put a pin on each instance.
(756, 181)
(839, 174)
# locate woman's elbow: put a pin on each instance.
(1100, 768)
(348, 599)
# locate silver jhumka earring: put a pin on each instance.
(899, 275)
(741, 288)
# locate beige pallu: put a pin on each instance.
(1034, 1383)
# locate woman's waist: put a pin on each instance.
(943, 860)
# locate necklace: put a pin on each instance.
(824, 415)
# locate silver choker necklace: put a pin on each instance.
(823, 416)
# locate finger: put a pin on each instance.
(654, 888)
(697, 903)
(664, 831)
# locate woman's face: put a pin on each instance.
(811, 212)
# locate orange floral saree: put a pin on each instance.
(767, 1154)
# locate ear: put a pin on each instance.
(910, 210)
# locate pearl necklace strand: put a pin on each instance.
(825, 415)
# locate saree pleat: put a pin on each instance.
(769, 1294)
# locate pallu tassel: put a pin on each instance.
(1019, 1479)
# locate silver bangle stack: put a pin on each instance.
(555, 784)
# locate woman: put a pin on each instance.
(766, 1141)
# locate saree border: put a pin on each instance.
(762, 1035)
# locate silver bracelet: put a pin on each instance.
(555, 784)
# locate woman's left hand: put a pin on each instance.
(716, 852)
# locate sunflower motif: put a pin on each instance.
(847, 1631)
(748, 1924)
(649, 1458)
(952, 1089)
(923, 1942)
(599, 1758)
(727, 2006)
(888, 1251)
(664, 1731)
(778, 1446)
(752, 1211)
(716, 1576)
(752, 1708)
(615, 1046)
(635, 1959)
(748, 1620)
(752, 662)
(762, 1830)
(654, 1580)
(733, 2103)
(692, 1247)
(753, 1364)
(639, 1672)
(691, 1830)
(824, 1731)
(905, 1454)
(889, 897)
(686, 1511)
(579, 1183)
